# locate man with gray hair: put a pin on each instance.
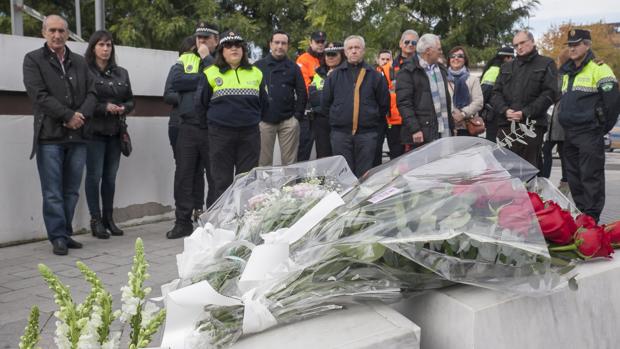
(525, 89)
(422, 96)
(356, 100)
(63, 94)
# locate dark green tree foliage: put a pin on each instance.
(480, 25)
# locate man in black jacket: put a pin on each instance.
(524, 90)
(356, 99)
(192, 151)
(287, 102)
(63, 96)
(422, 95)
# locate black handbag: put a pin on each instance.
(126, 147)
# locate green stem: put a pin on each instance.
(571, 247)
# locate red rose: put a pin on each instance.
(517, 218)
(613, 230)
(536, 201)
(556, 224)
(500, 191)
(586, 221)
(593, 242)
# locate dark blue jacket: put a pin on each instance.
(185, 85)
(285, 87)
(337, 99)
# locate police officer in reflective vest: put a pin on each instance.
(191, 148)
(589, 108)
(233, 97)
(489, 75)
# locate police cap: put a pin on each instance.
(318, 36)
(506, 51)
(231, 36)
(205, 29)
(577, 35)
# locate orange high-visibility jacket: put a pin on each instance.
(308, 64)
(389, 72)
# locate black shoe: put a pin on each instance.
(60, 247)
(108, 223)
(97, 228)
(73, 244)
(179, 231)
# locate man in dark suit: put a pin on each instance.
(63, 96)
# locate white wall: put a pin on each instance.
(147, 68)
(145, 177)
(145, 180)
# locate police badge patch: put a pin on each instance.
(189, 68)
(219, 81)
(607, 87)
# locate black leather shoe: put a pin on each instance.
(73, 244)
(108, 223)
(60, 247)
(179, 231)
(97, 228)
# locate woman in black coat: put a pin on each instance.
(114, 102)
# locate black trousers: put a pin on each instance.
(358, 149)
(584, 157)
(381, 130)
(199, 180)
(321, 129)
(394, 141)
(306, 138)
(491, 131)
(547, 154)
(232, 151)
(530, 152)
(192, 161)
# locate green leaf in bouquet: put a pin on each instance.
(465, 244)
(455, 220)
(365, 252)
(487, 252)
(447, 249)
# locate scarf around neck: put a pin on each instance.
(461, 97)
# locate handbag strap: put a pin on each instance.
(356, 99)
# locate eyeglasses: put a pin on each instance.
(410, 42)
(331, 54)
(457, 55)
(231, 44)
(521, 43)
(319, 41)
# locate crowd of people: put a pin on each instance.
(227, 112)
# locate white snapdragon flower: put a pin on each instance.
(148, 311)
(61, 339)
(130, 304)
(113, 342)
(89, 337)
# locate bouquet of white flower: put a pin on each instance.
(453, 211)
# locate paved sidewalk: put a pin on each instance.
(21, 285)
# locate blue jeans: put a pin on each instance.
(60, 169)
(104, 155)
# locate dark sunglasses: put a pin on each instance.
(457, 55)
(231, 44)
(319, 41)
(410, 42)
(331, 53)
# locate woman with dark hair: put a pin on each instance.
(114, 102)
(464, 89)
(489, 75)
(234, 99)
(332, 58)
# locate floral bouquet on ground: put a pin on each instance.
(455, 211)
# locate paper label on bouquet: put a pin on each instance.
(300, 228)
(184, 307)
(264, 260)
(385, 194)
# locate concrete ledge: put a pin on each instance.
(367, 326)
(467, 317)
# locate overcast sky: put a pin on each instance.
(556, 12)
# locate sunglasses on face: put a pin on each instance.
(319, 41)
(232, 44)
(331, 54)
(457, 55)
(410, 42)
